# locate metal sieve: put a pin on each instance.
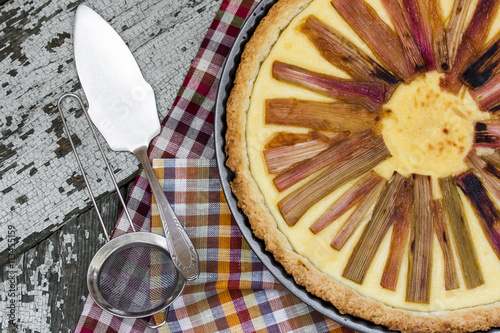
(133, 275)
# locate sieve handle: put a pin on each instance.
(80, 166)
(181, 248)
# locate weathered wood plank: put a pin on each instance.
(40, 188)
(47, 284)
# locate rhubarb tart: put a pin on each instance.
(364, 137)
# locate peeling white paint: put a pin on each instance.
(69, 243)
(32, 311)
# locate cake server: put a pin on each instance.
(122, 107)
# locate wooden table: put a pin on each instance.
(48, 233)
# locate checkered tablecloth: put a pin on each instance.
(235, 292)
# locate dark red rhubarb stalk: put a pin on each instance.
(357, 216)
(367, 245)
(488, 95)
(414, 59)
(466, 252)
(456, 27)
(379, 37)
(332, 155)
(350, 198)
(418, 285)
(450, 271)
(487, 133)
(295, 204)
(472, 43)
(342, 53)
(281, 158)
(417, 17)
(484, 67)
(399, 238)
(328, 116)
(370, 94)
(438, 32)
(483, 207)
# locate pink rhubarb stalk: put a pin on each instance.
(414, 59)
(350, 198)
(295, 204)
(399, 238)
(488, 95)
(450, 271)
(357, 216)
(332, 155)
(381, 39)
(370, 94)
(280, 158)
(417, 17)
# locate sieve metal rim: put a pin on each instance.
(121, 243)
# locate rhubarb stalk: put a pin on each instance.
(399, 239)
(367, 245)
(464, 245)
(450, 272)
(295, 204)
(471, 44)
(418, 286)
(350, 198)
(342, 53)
(282, 157)
(456, 27)
(488, 95)
(414, 59)
(483, 206)
(493, 158)
(328, 116)
(418, 21)
(485, 171)
(357, 216)
(485, 66)
(370, 94)
(333, 155)
(383, 41)
(487, 134)
(439, 41)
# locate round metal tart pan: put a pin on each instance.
(226, 176)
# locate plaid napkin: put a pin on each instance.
(234, 293)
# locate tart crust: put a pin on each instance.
(264, 226)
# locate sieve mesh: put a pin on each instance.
(138, 279)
